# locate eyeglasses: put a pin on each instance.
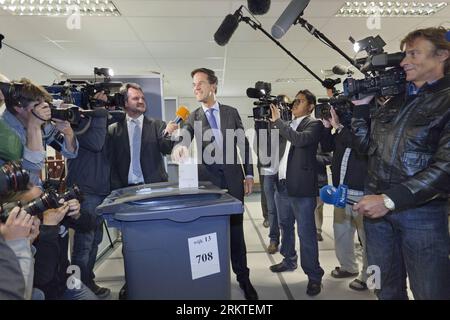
(296, 102)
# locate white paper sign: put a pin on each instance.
(204, 255)
(187, 174)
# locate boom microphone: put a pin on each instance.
(227, 28)
(288, 17)
(258, 7)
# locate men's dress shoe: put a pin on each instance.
(123, 292)
(281, 267)
(100, 292)
(249, 292)
(319, 237)
(341, 273)
(272, 248)
(313, 288)
(266, 223)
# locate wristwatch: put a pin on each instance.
(388, 203)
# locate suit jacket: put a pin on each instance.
(153, 146)
(301, 174)
(224, 174)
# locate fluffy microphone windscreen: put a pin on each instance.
(226, 29)
(258, 7)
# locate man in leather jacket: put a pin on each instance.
(408, 144)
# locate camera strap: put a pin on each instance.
(34, 114)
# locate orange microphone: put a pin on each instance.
(182, 114)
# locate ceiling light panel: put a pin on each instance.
(60, 7)
(390, 8)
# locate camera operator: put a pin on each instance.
(51, 262)
(16, 270)
(297, 189)
(408, 181)
(348, 167)
(27, 114)
(90, 170)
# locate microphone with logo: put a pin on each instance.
(335, 196)
(289, 17)
(181, 115)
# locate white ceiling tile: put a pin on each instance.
(185, 49)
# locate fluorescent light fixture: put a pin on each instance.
(60, 7)
(390, 8)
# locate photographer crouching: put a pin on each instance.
(408, 144)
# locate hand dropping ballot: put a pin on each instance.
(187, 173)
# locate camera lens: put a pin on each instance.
(48, 200)
(13, 178)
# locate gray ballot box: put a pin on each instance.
(176, 242)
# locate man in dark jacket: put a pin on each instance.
(408, 182)
(216, 118)
(297, 189)
(90, 171)
(349, 168)
(137, 144)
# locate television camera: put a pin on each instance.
(384, 76)
(262, 111)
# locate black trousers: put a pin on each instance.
(237, 241)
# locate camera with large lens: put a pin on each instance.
(71, 114)
(342, 105)
(50, 199)
(12, 179)
(262, 111)
(385, 76)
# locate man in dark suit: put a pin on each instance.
(137, 144)
(297, 189)
(219, 160)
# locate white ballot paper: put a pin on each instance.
(187, 174)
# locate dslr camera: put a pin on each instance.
(50, 199)
(384, 76)
(262, 111)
